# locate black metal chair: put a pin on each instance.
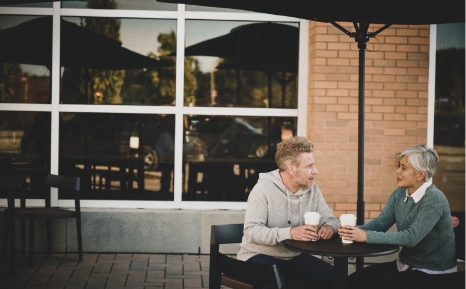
(233, 273)
(69, 184)
(10, 185)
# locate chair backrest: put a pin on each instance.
(459, 219)
(9, 185)
(256, 274)
(70, 184)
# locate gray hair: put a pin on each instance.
(422, 158)
(289, 150)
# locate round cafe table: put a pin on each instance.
(340, 252)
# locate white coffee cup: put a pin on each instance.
(312, 219)
(347, 220)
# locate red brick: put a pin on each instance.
(396, 40)
(407, 32)
(395, 55)
(407, 63)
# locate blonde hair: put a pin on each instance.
(422, 158)
(290, 149)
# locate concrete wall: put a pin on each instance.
(140, 231)
(135, 231)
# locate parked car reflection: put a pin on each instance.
(224, 136)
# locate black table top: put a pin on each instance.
(335, 248)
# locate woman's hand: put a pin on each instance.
(352, 233)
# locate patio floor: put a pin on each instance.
(112, 271)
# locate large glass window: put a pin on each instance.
(25, 60)
(449, 120)
(98, 69)
(99, 97)
(241, 64)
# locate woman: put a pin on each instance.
(425, 232)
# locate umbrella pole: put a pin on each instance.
(361, 36)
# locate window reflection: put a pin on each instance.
(241, 64)
(118, 156)
(120, 4)
(25, 147)
(229, 152)
(25, 60)
(138, 71)
(449, 120)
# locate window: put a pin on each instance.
(449, 118)
(114, 97)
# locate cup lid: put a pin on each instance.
(347, 216)
(311, 213)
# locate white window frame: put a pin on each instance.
(181, 15)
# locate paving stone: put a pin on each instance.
(192, 267)
(120, 257)
(183, 276)
(137, 276)
(91, 257)
(93, 284)
(190, 283)
(61, 276)
(38, 280)
(102, 269)
(44, 287)
(157, 267)
(79, 284)
(106, 258)
(174, 269)
(173, 285)
(174, 259)
(157, 259)
(153, 276)
(196, 272)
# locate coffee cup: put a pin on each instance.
(347, 220)
(312, 219)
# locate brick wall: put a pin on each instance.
(396, 77)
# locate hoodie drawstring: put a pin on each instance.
(300, 211)
(289, 206)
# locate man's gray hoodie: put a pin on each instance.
(271, 212)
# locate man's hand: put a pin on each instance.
(325, 232)
(303, 233)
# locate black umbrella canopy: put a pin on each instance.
(361, 11)
(31, 43)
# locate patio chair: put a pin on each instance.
(10, 186)
(68, 184)
(233, 273)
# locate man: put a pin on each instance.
(275, 213)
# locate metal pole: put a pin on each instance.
(362, 38)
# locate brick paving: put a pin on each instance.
(97, 271)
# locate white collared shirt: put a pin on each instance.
(417, 196)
